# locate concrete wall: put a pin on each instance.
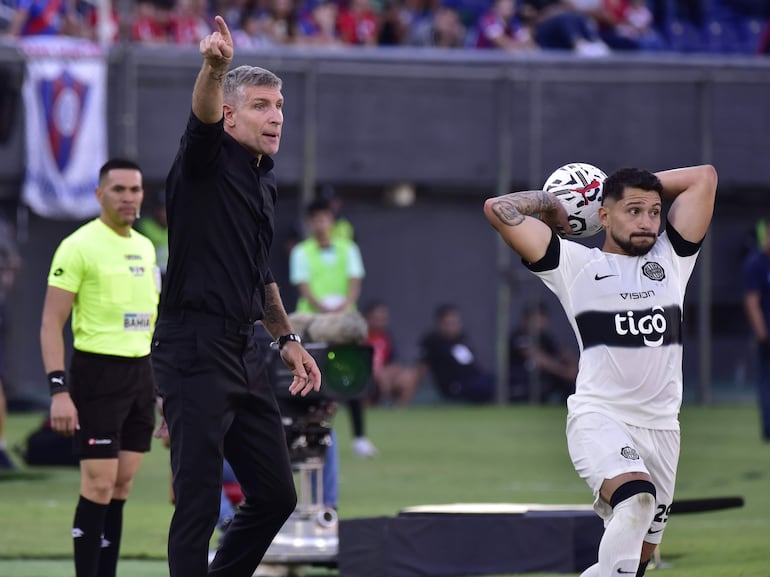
(460, 126)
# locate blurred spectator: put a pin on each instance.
(756, 300)
(10, 261)
(535, 356)
(92, 28)
(557, 25)
(152, 24)
(447, 30)
(417, 18)
(342, 227)
(45, 18)
(393, 28)
(499, 28)
(358, 23)
(626, 24)
(328, 271)
(190, 22)
(395, 383)
(446, 354)
(254, 29)
(318, 25)
(441, 28)
(283, 24)
(764, 42)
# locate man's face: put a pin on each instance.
(378, 319)
(450, 326)
(320, 223)
(255, 120)
(120, 195)
(633, 222)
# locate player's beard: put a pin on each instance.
(632, 249)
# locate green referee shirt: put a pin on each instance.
(116, 284)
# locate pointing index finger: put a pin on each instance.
(224, 31)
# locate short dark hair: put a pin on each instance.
(117, 164)
(616, 183)
(443, 310)
(371, 306)
(318, 205)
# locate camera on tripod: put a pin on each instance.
(310, 533)
(345, 375)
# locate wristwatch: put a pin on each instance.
(286, 338)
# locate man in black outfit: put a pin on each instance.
(210, 367)
(446, 353)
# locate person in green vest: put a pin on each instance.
(342, 227)
(155, 227)
(327, 271)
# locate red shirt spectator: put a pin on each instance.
(148, 27)
(358, 24)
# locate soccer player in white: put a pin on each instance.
(624, 303)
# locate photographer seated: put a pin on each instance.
(446, 354)
(535, 354)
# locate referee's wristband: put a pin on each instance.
(57, 382)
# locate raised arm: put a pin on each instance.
(693, 192)
(513, 216)
(217, 52)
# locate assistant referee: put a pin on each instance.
(105, 274)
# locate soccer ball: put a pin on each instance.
(579, 188)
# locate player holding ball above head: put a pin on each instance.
(624, 302)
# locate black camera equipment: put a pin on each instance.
(310, 534)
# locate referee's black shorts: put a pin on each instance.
(115, 399)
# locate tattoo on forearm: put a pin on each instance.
(512, 208)
(275, 318)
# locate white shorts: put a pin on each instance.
(601, 448)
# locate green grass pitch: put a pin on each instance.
(433, 455)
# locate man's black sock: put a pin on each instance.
(110, 546)
(87, 536)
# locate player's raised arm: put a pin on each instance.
(217, 52)
(514, 216)
(693, 191)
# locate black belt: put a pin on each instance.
(224, 324)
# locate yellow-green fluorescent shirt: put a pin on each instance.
(116, 284)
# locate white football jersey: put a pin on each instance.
(626, 312)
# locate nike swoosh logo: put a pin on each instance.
(598, 277)
(651, 532)
(626, 572)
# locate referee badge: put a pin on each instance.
(136, 321)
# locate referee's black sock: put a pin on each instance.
(113, 528)
(87, 536)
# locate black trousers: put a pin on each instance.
(217, 401)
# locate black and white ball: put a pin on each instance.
(578, 186)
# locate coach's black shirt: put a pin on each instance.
(220, 207)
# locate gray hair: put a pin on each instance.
(242, 76)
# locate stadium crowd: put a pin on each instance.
(587, 27)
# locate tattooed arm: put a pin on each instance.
(307, 377)
(515, 217)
